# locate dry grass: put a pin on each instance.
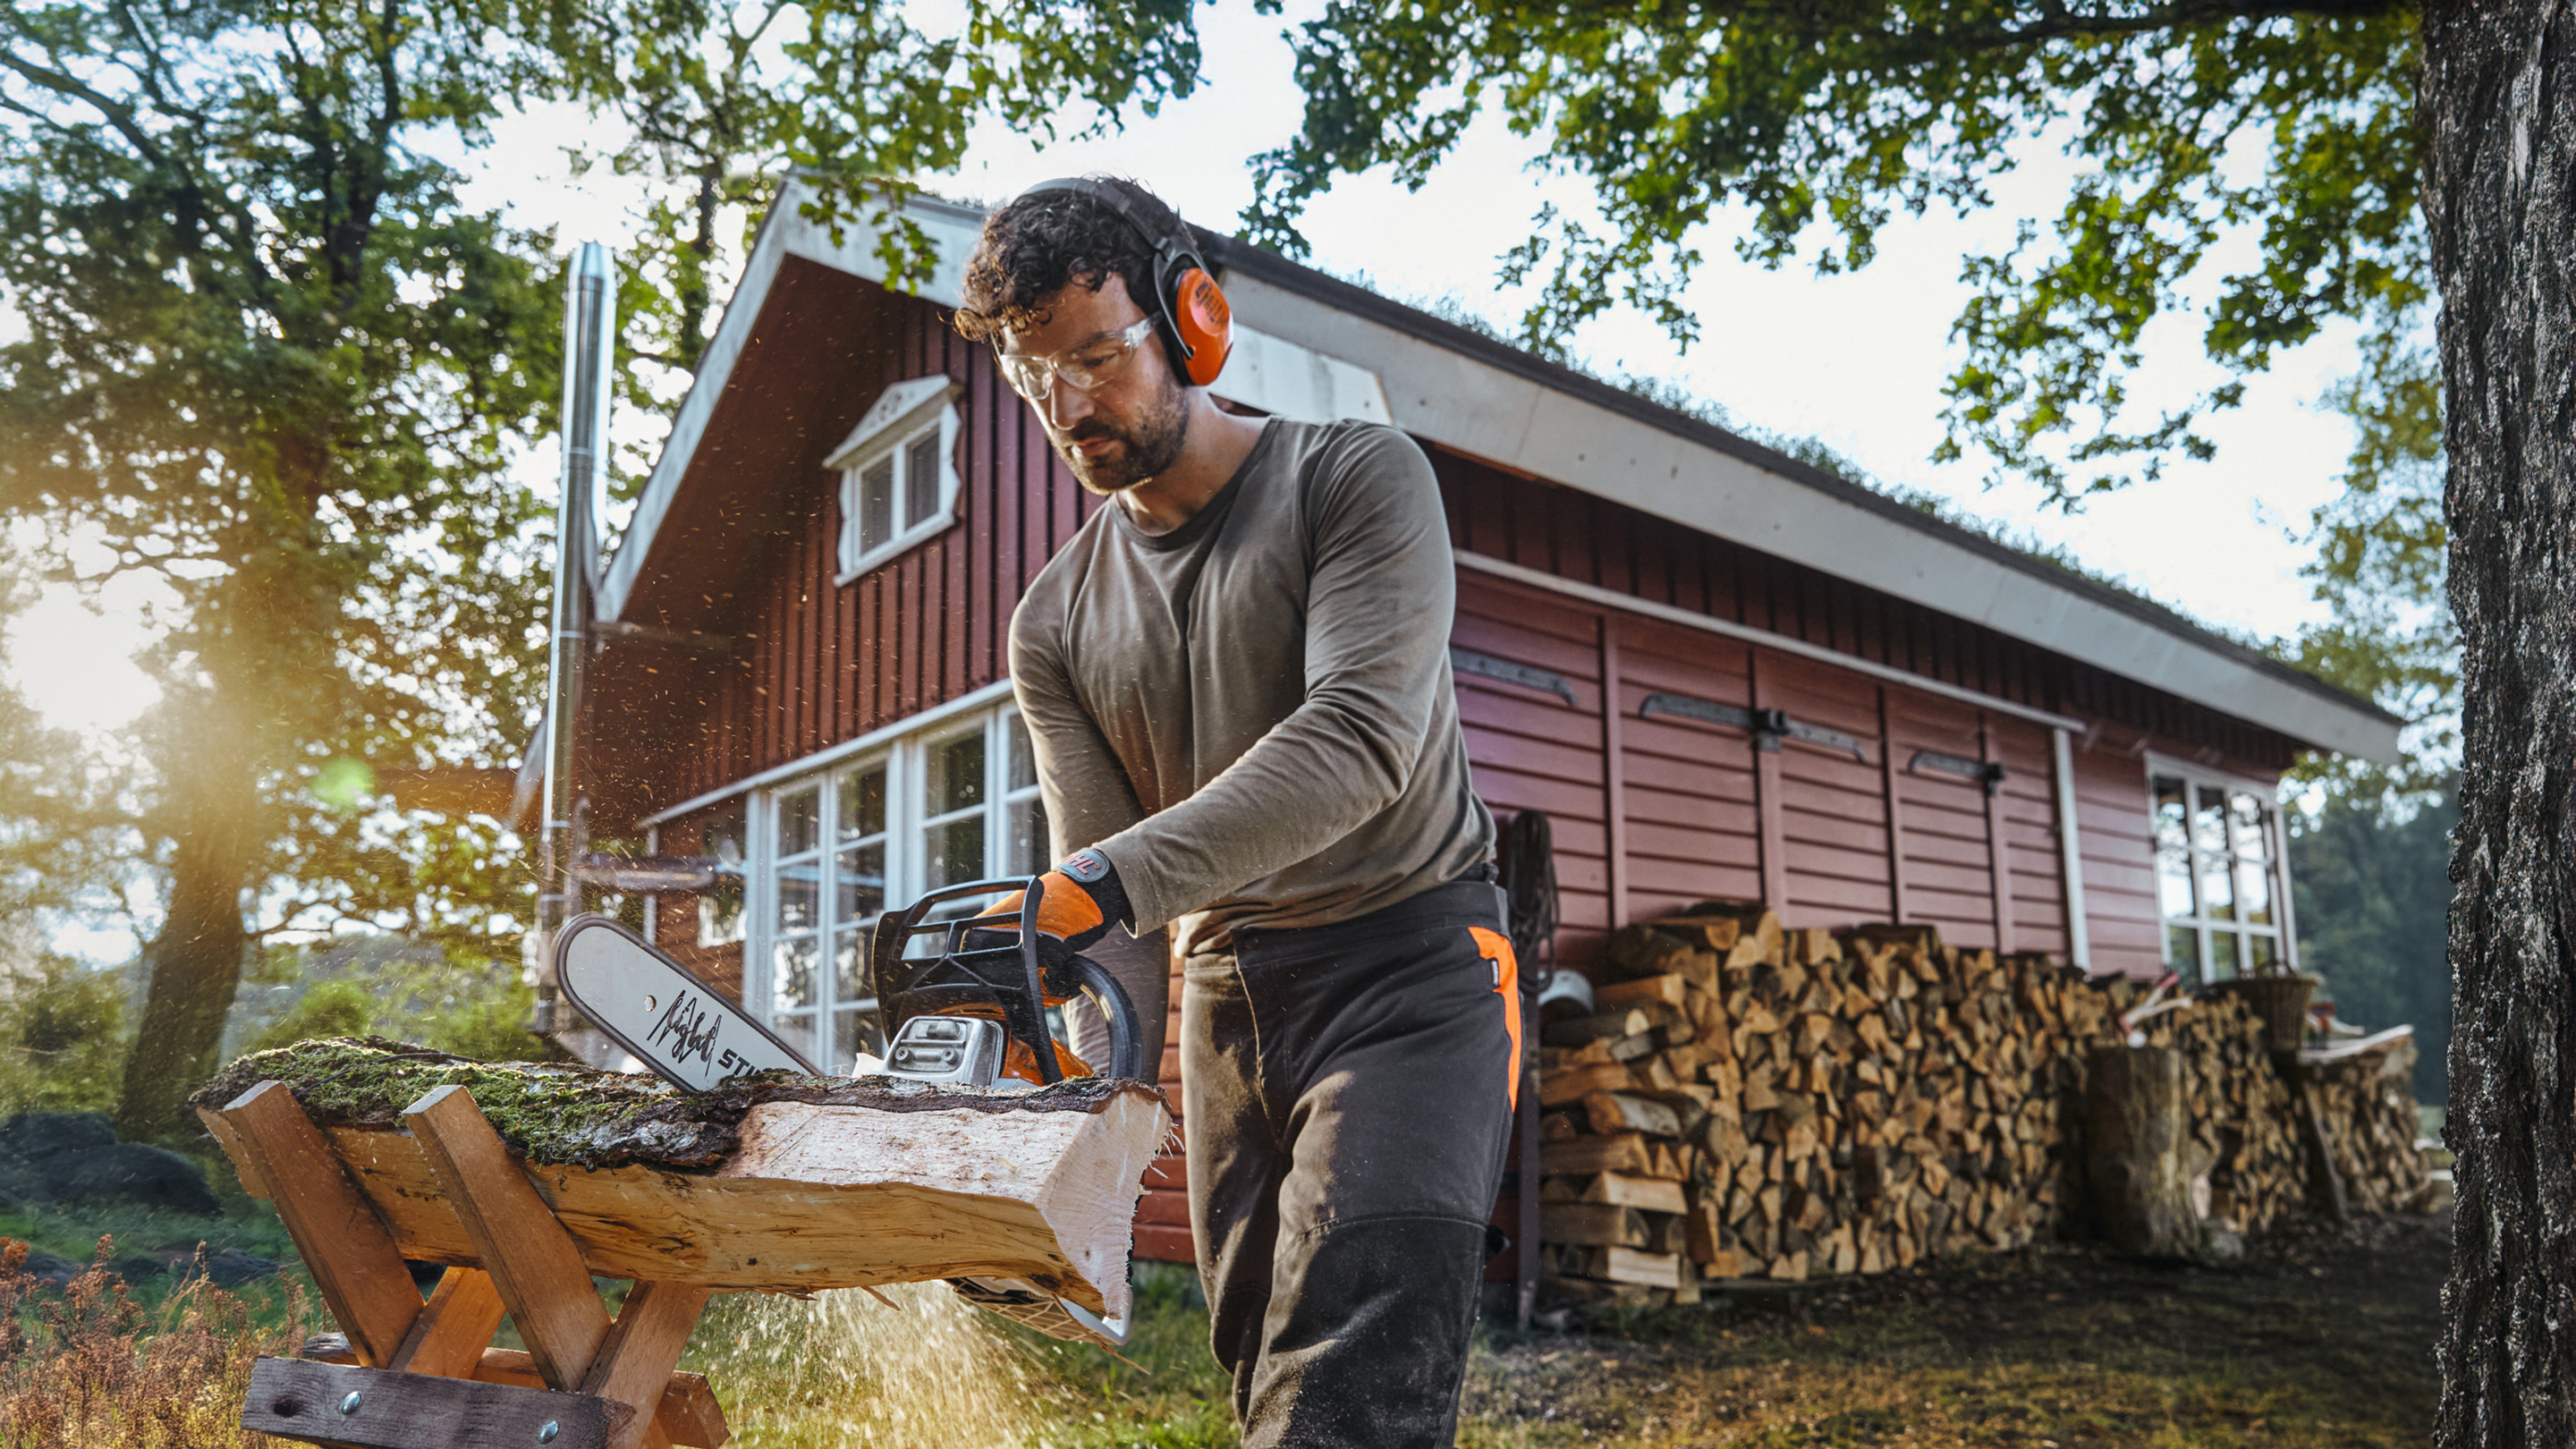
(89, 1367)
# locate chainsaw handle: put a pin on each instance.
(893, 931)
(1126, 1039)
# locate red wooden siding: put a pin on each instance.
(1700, 812)
(2120, 909)
(1693, 814)
(816, 662)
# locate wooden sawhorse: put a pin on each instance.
(417, 1375)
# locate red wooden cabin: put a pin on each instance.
(851, 502)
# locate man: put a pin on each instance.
(1235, 676)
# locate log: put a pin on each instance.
(1619, 1112)
(2135, 1163)
(1625, 1190)
(1594, 1225)
(774, 1183)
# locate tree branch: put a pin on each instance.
(120, 116)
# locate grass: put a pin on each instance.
(2317, 1340)
(93, 1365)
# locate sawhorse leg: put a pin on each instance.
(532, 1270)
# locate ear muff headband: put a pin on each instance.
(1196, 323)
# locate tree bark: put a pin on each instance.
(2498, 118)
(196, 960)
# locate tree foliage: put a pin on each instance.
(270, 356)
(2372, 889)
(1802, 128)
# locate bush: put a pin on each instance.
(93, 1367)
(62, 1038)
(385, 985)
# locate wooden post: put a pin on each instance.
(1900, 902)
(343, 1243)
(1769, 816)
(370, 1409)
(1614, 785)
(1998, 854)
(2139, 1179)
(535, 1268)
(533, 1262)
(450, 1335)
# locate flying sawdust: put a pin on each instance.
(842, 1370)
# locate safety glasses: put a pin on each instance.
(1085, 366)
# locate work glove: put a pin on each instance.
(1077, 900)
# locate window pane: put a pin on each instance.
(855, 1032)
(2209, 822)
(2248, 815)
(798, 1032)
(2262, 955)
(921, 479)
(2173, 848)
(796, 898)
(954, 770)
(2182, 951)
(2254, 892)
(863, 800)
(1028, 844)
(1024, 761)
(849, 966)
(2222, 955)
(793, 980)
(800, 820)
(720, 913)
(862, 877)
(876, 503)
(2217, 894)
(956, 851)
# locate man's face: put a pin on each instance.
(1130, 427)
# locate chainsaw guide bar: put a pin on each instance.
(661, 1013)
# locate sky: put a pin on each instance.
(1855, 360)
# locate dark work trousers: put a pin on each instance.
(1346, 1095)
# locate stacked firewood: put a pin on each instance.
(2243, 1118)
(2365, 1105)
(1748, 1102)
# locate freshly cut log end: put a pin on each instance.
(775, 1183)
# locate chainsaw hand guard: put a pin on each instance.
(1000, 966)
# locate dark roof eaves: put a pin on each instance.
(1269, 266)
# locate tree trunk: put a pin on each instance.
(196, 961)
(2498, 119)
(2135, 1146)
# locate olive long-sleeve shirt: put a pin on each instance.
(1252, 715)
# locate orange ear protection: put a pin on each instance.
(1197, 326)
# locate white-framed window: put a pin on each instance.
(898, 472)
(956, 802)
(2221, 884)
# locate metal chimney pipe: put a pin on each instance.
(590, 344)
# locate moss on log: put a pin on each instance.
(560, 1115)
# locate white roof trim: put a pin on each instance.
(1489, 412)
(895, 405)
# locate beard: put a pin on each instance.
(1146, 446)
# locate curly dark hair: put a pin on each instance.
(1036, 246)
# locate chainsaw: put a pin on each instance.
(974, 1014)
